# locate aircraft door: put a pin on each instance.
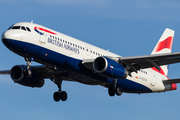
(42, 38)
(153, 81)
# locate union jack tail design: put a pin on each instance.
(164, 45)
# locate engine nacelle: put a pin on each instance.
(19, 75)
(109, 68)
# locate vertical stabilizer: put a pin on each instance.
(164, 45)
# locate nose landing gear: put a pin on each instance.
(28, 60)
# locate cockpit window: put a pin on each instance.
(28, 29)
(10, 27)
(16, 27)
(23, 28)
(20, 27)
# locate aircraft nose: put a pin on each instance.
(6, 35)
(3, 36)
(12, 35)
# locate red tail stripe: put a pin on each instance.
(167, 43)
(44, 30)
(159, 71)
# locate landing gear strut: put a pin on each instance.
(60, 95)
(28, 60)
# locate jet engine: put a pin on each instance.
(19, 75)
(109, 68)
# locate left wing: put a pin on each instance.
(141, 62)
(147, 61)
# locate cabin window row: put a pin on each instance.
(80, 47)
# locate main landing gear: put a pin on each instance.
(115, 89)
(59, 95)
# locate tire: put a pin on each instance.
(118, 91)
(111, 91)
(57, 96)
(63, 95)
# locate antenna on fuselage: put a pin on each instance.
(31, 21)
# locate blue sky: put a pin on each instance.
(127, 28)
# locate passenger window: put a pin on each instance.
(28, 29)
(16, 27)
(23, 28)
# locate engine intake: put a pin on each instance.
(109, 68)
(19, 75)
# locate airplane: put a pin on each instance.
(64, 58)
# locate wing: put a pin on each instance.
(148, 61)
(40, 68)
(5, 72)
(48, 72)
(171, 81)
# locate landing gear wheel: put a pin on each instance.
(118, 91)
(57, 96)
(63, 95)
(111, 91)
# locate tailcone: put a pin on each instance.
(169, 87)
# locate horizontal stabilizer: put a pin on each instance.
(171, 81)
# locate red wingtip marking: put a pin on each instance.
(174, 86)
(167, 43)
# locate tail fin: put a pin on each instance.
(164, 45)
